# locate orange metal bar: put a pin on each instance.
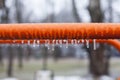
(115, 43)
(60, 31)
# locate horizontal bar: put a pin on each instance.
(60, 31)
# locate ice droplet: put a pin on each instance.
(53, 44)
(22, 42)
(72, 41)
(94, 44)
(38, 42)
(56, 42)
(34, 43)
(75, 42)
(87, 43)
(60, 43)
(66, 43)
(83, 41)
(28, 42)
(78, 41)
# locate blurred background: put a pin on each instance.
(23, 61)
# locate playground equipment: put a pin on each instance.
(64, 33)
(114, 42)
(60, 33)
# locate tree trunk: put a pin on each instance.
(110, 11)
(18, 11)
(20, 57)
(5, 11)
(95, 11)
(74, 10)
(5, 19)
(99, 63)
(1, 56)
(45, 57)
(57, 53)
(28, 52)
(10, 61)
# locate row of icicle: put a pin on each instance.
(59, 42)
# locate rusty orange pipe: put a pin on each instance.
(60, 31)
(115, 43)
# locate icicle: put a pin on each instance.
(38, 42)
(34, 43)
(72, 42)
(60, 43)
(66, 43)
(56, 42)
(22, 42)
(94, 44)
(45, 42)
(53, 42)
(78, 41)
(83, 41)
(87, 43)
(48, 44)
(75, 42)
(53, 45)
(28, 42)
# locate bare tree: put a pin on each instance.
(95, 11)
(28, 52)
(57, 53)
(10, 61)
(5, 12)
(99, 59)
(110, 11)
(4, 19)
(45, 57)
(75, 11)
(20, 57)
(18, 11)
(1, 56)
